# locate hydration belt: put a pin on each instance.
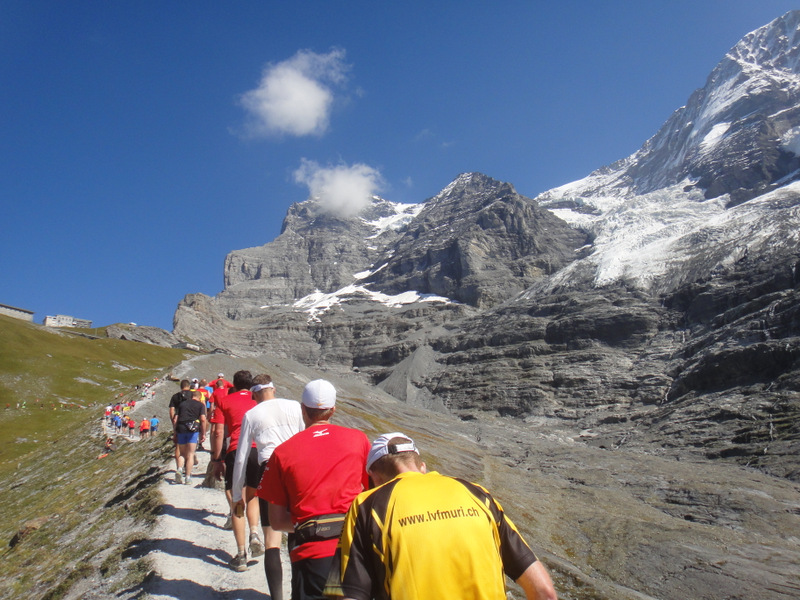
(320, 528)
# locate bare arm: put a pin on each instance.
(279, 518)
(242, 452)
(217, 437)
(536, 583)
(203, 425)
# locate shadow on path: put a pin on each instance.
(178, 547)
(186, 588)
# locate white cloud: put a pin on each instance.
(341, 190)
(295, 96)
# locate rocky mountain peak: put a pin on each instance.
(775, 46)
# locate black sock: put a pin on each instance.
(274, 572)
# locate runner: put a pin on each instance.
(220, 377)
(310, 481)
(422, 535)
(175, 401)
(271, 422)
(228, 415)
(144, 428)
(190, 428)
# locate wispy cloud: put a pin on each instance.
(342, 190)
(295, 96)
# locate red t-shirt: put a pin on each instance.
(230, 411)
(218, 395)
(318, 471)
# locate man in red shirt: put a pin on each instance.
(228, 415)
(220, 377)
(220, 391)
(310, 482)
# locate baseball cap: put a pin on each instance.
(220, 375)
(381, 447)
(261, 386)
(319, 394)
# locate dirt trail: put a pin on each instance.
(190, 549)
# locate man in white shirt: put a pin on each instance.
(271, 422)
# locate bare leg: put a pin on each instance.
(188, 452)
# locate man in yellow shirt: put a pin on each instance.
(425, 536)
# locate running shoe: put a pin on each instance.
(238, 563)
(256, 545)
(187, 479)
(228, 524)
(178, 477)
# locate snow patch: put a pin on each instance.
(319, 302)
(715, 135)
(404, 214)
(790, 141)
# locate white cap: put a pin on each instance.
(382, 447)
(319, 394)
(261, 386)
(220, 375)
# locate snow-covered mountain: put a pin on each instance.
(656, 301)
(714, 184)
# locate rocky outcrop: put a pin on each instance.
(142, 333)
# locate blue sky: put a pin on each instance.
(140, 142)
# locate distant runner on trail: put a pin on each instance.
(174, 402)
(310, 481)
(270, 423)
(190, 429)
(228, 414)
(220, 377)
(424, 536)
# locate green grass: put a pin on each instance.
(48, 456)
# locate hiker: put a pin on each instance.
(131, 427)
(174, 402)
(228, 415)
(190, 429)
(202, 387)
(144, 428)
(220, 377)
(424, 535)
(220, 391)
(309, 482)
(154, 421)
(271, 422)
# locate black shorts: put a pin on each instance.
(309, 576)
(263, 506)
(252, 470)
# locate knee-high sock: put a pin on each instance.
(274, 572)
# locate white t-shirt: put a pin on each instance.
(268, 424)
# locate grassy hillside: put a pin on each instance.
(80, 512)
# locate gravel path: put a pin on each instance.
(191, 549)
